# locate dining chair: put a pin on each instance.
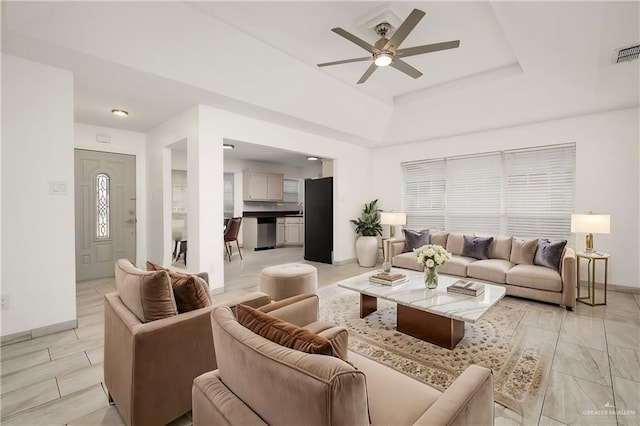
(231, 235)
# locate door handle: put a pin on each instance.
(132, 221)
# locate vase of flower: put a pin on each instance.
(430, 257)
(431, 277)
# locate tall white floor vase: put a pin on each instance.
(367, 251)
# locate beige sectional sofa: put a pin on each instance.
(505, 266)
(260, 382)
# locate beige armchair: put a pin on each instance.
(149, 367)
(259, 382)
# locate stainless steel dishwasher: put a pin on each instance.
(266, 233)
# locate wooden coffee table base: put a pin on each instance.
(432, 328)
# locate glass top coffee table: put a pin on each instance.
(435, 316)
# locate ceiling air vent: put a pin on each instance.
(628, 54)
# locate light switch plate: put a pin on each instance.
(58, 188)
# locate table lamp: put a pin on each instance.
(392, 219)
(591, 224)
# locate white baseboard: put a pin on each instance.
(38, 332)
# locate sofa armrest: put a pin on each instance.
(396, 246)
(298, 310)
(469, 400)
(215, 404)
(568, 275)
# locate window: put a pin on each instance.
(290, 191)
(103, 209)
(526, 193)
(228, 195)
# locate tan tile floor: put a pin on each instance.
(57, 379)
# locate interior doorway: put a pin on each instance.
(105, 205)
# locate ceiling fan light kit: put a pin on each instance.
(383, 59)
(386, 51)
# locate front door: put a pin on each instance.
(105, 193)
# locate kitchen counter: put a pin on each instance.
(289, 213)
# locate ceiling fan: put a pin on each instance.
(386, 51)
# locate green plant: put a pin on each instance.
(368, 224)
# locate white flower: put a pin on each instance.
(430, 263)
(438, 258)
(430, 252)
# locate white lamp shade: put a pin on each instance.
(393, 218)
(590, 223)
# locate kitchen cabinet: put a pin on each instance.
(294, 231)
(258, 186)
(280, 232)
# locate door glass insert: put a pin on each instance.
(103, 208)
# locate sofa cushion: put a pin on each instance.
(476, 247)
(283, 333)
(415, 239)
(490, 270)
(438, 238)
(147, 294)
(549, 253)
(534, 276)
(500, 248)
(455, 243)
(457, 265)
(190, 291)
(338, 337)
(522, 251)
(407, 261)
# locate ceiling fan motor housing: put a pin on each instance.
(383, 28)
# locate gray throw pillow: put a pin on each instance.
(549, 253)
(415, 239)
(477, 247)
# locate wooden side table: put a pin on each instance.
(590, 298)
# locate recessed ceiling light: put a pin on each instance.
(119, 113)
(228, 146)
(312, 158)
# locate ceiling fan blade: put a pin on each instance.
(405, 68)
(404, 29)
(346, 61)
(353, 39)
(367, 73)
(427, 48)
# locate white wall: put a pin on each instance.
(178, 159)
(38, 265)
(158, 191)
(122, 142)
(607, 177)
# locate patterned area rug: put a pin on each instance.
(510, 339)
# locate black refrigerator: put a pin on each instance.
(318, 219)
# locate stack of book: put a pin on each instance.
(386, 278)
(469, 288)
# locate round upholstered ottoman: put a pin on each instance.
(289, 279)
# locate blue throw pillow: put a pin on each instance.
(477, 247)
(415, 239)
(549, 253)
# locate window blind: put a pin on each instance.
(423, 194)
(539, 191)
(473, 194)
(525, 193)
